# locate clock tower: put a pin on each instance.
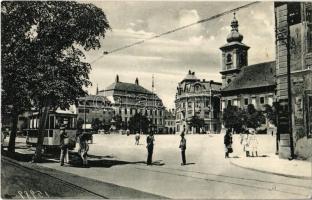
(234, 54)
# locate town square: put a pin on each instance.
(156, 100)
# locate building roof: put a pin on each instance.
(128, 87)
(94, 97)
(190, 77)
(254, 76)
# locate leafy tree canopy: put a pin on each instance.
(138, 123)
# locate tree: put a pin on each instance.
(50, 43)
(253, 118)
(138, 123)
(15, 65)
(271, 113)
(233, 118)
(96, 124)
(197, 122)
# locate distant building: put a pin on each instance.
(294, 18)
(95, 106)
(130, 98)
(170, 121)
(197, 98)
(244, 84)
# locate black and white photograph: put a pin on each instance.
(156, 99)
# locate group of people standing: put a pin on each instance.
(248, 141)
(150, 148)
(64, 145)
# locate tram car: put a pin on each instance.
(56, 119)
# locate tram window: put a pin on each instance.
(51, 125)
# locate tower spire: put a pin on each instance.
(234, 35)
(153, 83)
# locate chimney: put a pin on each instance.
(189, 72)
(137, 81)
(117, 79)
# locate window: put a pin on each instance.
(261, 100)
(229, 102)
(228, 58)
(83, 110)
(246, 102)
(207, 103)
(130, 111)
(309, 28)
(126, 111)
(229, 81)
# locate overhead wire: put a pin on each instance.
(175, 30)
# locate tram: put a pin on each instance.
(52, 130)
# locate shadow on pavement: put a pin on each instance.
(98, 161)
(190, 163)
(157, 163)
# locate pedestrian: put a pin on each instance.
(228, 143)
(150, 147)
(64, 142)
(253, 143)
(246, 143)
(83, 149)
(183, 148)
(137, 138)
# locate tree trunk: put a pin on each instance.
(11, 147)
(42, 124)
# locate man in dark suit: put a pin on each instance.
(183, 148)
(150, 147)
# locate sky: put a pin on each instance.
(170, 57)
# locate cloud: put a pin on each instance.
(171, 56)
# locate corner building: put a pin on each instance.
(293, 24)
(199, 98)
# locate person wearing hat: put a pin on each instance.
(228, 141)
(63, 145)
(183, 148)
(150, 147)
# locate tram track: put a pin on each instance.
(65, 183)
(273, 186)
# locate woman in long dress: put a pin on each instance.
(253, 144)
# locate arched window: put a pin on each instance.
(228, 58)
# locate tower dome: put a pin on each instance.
(234, 35)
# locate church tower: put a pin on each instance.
(234, 54)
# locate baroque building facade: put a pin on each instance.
(200, 98)
(130, 98)
(293, 24)
(91, 107)
(244, 84)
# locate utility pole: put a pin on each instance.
(291, 140)
(85, 115)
